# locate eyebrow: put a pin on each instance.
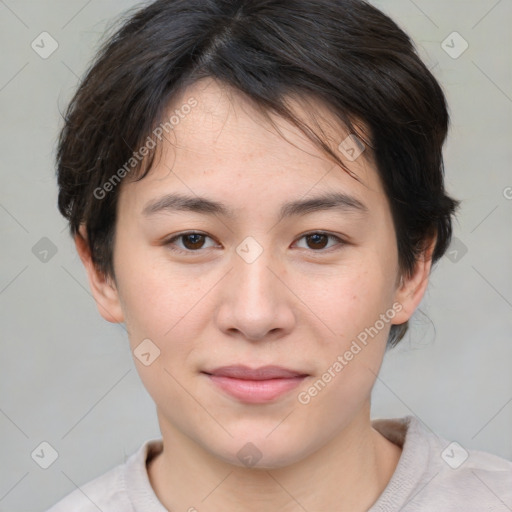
(331, 201)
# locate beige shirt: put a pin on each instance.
(432, 475)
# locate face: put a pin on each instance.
(278, 258)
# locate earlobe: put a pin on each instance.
(102, 287)
(412, 288)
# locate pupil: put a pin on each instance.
(195, 239)
(318, 239)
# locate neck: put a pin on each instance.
(347, 474)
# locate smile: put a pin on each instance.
(260, 385)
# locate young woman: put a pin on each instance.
(256, 190)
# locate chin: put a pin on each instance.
(257, 451)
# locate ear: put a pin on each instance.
(412, 289)
(103, 288)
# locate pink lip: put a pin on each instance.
(257, 385)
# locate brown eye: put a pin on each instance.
(320, 242)
(317, 241)
(193, 241)
(189, 242)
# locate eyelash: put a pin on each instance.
(170, 242)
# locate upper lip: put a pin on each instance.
(261, 373)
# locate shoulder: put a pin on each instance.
(458, 466)
(470, 479)
(112, 491)
(106, 492)
(435, 472)
(480, 478)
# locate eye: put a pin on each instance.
(194, 241)
(191, 242)
(318, 240)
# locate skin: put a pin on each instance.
(299, 305)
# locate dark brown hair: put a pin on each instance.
(344, 53)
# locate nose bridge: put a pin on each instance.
(256, 302)
(253, 281)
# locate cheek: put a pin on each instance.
(157, 304)
(349, 360)
(159, 308)
(350, 299)
(356, 305)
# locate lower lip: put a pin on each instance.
(256, 391)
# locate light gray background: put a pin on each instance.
(67, 376)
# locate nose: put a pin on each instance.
(256, 303)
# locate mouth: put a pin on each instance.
(255, 385)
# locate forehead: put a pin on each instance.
(226, 144)
(227, 119)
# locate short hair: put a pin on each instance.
(346, 54)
